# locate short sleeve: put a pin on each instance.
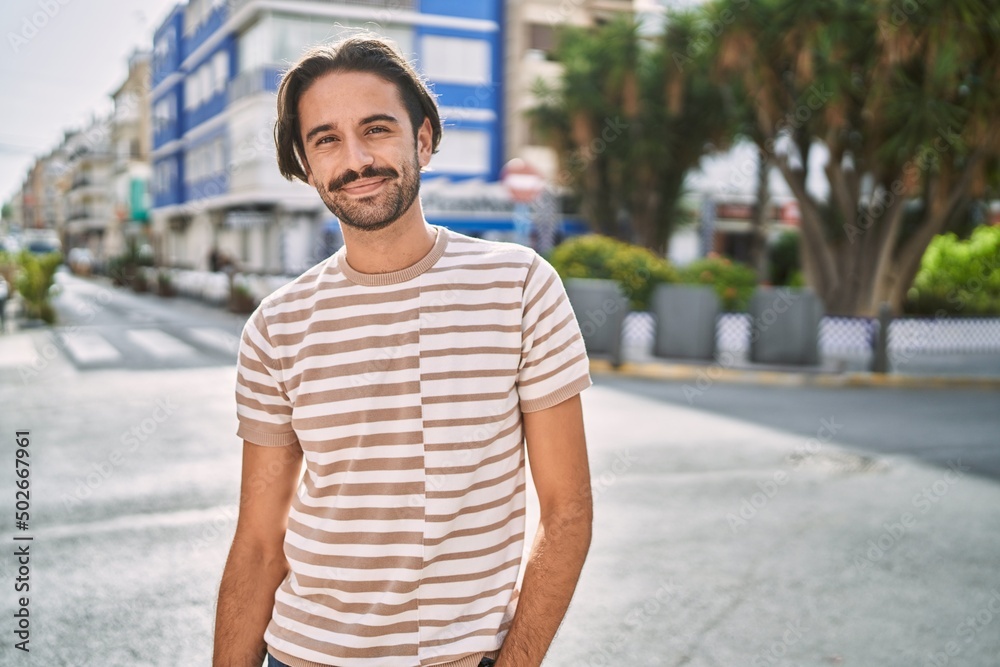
(262, 405)
(554, 364)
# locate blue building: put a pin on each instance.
(215, 71)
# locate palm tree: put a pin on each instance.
(906, 99)
(629, 119)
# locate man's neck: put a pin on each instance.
(398, 246)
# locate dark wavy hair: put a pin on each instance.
(363, 53)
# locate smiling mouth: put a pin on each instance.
(364, 187)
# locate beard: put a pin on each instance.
(380, 209)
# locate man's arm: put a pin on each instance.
(256, 563)
(557, 453)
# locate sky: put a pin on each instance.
(59, 62)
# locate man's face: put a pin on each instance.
(359, 147)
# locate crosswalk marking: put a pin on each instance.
(216, 338)
(17, 350)
(89, 348)
(159, 344)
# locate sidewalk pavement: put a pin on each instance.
(720, 543)
(919, 370)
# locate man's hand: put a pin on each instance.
(256, 564)
(557, 453)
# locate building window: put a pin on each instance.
(541, 37)
(465, 152)
(456, 60)
(220, 67)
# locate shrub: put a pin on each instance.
(733, 282)
(785, 259)
(635, 268)
(958, 277)
(34, 281)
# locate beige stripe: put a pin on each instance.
(471, 328)
(366, 343)
(471, 287)
(305, 398)
(460, 351)
(353, 562)
(317, 326)
(472, 576)
(361, 489)
(545, 376)
(463, 600)
(478, 553)
(460, 620)
(451, 639)
(367, 537)
(366, 440)
(359, 464)
(478, 486)
(472, 509)
(470, 421)
(457, 446)
(338, 606)
(336, 651)
(374, 416)
(492, 266)
(464, 398)
(457, 375)
(543, 317)
(376, 586)
(556, 329)
(543, 291)
(478, 530)
(348, 302)
(358, 368)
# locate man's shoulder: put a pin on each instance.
(466, 252)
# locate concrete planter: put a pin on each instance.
(784, 327)
(685, 316)
(600, 308)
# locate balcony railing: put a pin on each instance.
(260, 79)
(236, 5)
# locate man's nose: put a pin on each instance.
(358, 155)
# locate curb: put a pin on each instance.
(716, 373)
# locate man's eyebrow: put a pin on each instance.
(384, 117)
(374, 118)
(325, 127)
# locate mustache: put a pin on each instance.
(350, 176)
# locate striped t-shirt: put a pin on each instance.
(405, 392)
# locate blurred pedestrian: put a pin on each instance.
(4, 294)
(408, 370)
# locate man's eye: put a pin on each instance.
(377, 130)
(325, 140)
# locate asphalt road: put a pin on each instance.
(930, 425)
(755, 526)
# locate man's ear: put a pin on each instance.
(305, 166)
(425, 143)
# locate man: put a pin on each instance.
(410, 370)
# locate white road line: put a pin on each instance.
(17, 350)
(89, 348)
(160, 344)
(216, 338)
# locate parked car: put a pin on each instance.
(81, 261)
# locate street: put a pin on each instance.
(749, 526)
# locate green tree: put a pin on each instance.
(904, 95)
(629, 120)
